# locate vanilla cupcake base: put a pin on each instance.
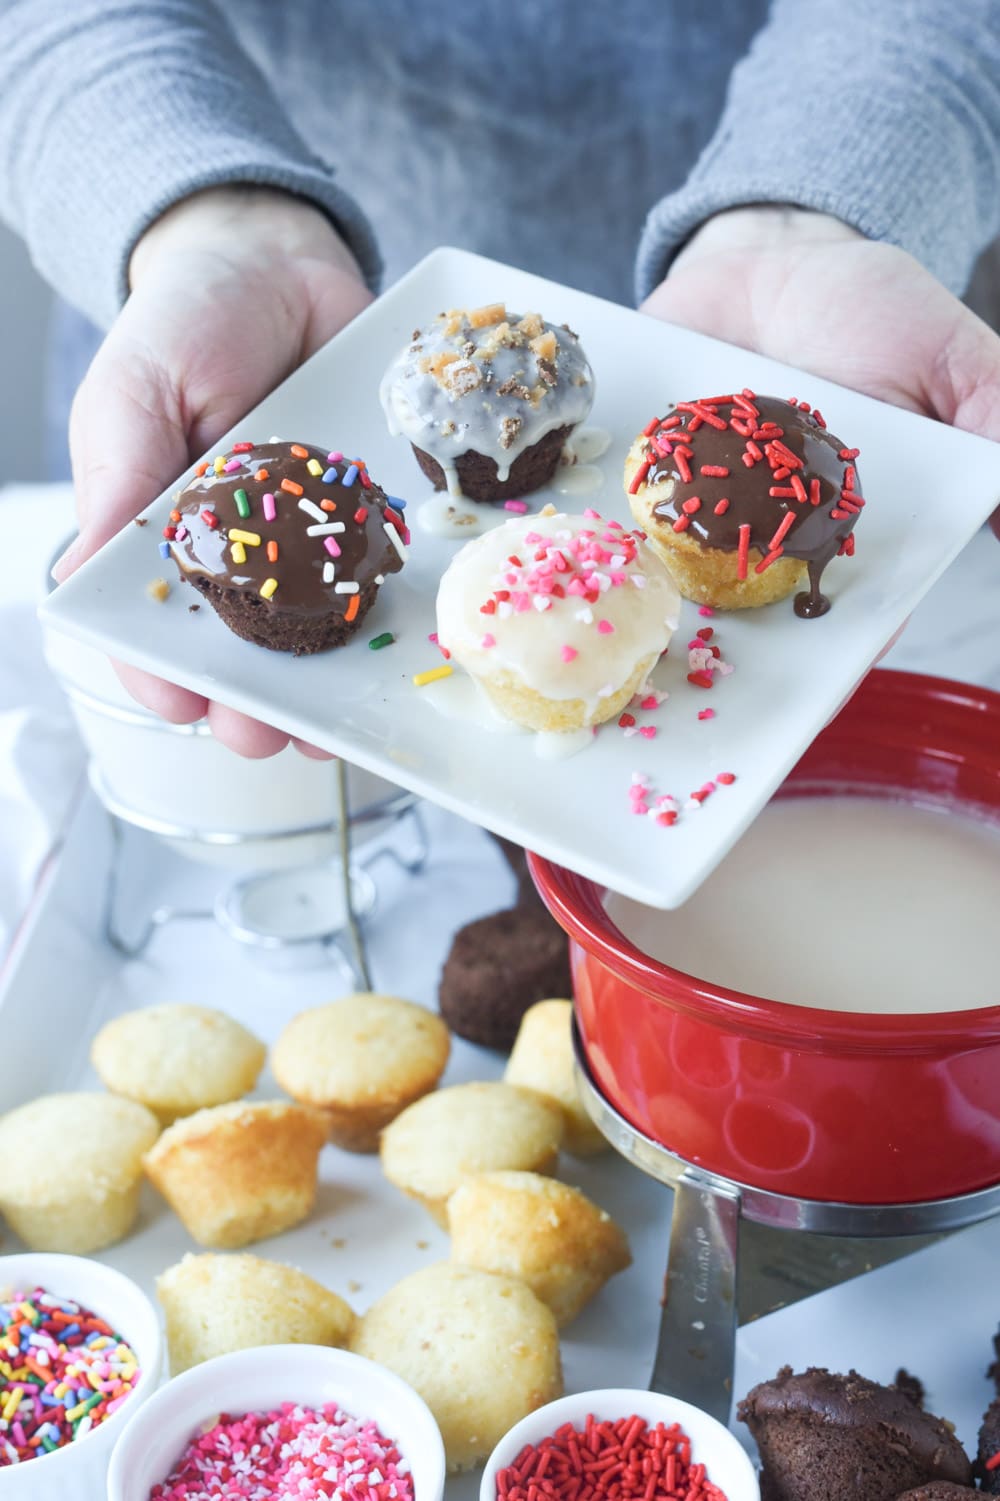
(526, 707)
(75, 1227)
(706, 575)
(71, 1169)
(239, 1173)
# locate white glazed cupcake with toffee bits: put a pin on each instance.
(558, 618)
(488, 399)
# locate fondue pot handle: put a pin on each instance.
(696, 1346)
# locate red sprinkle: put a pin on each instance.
(743, 555)
(706, 633)
(722, 506)
(700, 679)
(715, 471)
(993, 1463)
(727, 778)
(706, 713)
(626, 1460)
(626, 721)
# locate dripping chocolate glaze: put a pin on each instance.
(364, 547)
(815, 535)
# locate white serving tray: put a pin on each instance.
(933, 1312)
(928, 488)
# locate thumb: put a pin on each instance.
(127, 442)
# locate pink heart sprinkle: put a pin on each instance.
(488, 640)
(706, 713)
(648, 731)
(605, 627)
(652, 702)
(568, 653)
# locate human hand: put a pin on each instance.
(807, 289)
(231, 290)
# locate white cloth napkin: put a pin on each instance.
(41, 755)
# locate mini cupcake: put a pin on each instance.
(457, 1133)
(542, 1059)
(241, 1172)
(176, 1059)
(745, 498)
(71, 1168)
(558, 618)
(289, 543)
(215, 1304)
(361, 1060)
(546, 1233)
(479, 1348)
(488, 400)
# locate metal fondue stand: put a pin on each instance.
(696, 1343)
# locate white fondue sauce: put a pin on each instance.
(851, 904)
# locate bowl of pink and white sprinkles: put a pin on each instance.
(281, 1423)
(619, 1444)
(80, 1349)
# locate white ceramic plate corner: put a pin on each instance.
(790, 675)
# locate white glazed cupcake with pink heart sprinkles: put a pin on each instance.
(558, 618)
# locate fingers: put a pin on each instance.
(312, 752)
(246, 736)
(177, 705)
(238, 732)
(127, 441)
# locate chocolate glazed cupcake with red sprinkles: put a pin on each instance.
(746, 498)
(289, 543)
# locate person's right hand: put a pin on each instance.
(231, 290)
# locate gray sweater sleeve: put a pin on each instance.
(112, 110)
(885, 113)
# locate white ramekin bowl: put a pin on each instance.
(726, 1462)
(80, 1470)
(258, 1380)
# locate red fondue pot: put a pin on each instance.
(821, 1105)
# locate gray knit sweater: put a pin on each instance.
(567, 136)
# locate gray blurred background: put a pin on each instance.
(25, 316)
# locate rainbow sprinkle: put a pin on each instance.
(63, 1372)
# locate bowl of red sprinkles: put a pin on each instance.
(619, 1445)
(80, 1350)
(281, 1423)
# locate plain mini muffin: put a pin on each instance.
(214, 1304)
(71, 1168)
(361, 1060)
(549, 1235)
(238, 1173)
(481, 1350)
(176, 1059)
(542, 1059)
(458, 1133)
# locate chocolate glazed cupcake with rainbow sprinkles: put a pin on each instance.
(746, 498)
(290, 544)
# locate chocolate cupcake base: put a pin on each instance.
(265, 624)
(498, 967)
(477, 474)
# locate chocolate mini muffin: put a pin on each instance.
(824, 1437)
(988, 1456)
(746, 498)
(289, 543)
(939, 1490)
(488, 400)
(498, 967)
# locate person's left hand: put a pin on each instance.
(807, 289)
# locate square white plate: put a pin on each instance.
(928, 488)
